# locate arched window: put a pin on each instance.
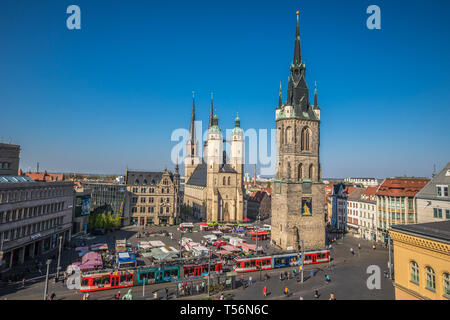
(289, 136)
(229, 180)
(305, 139)
(300, 172)
(311, 171)
(446, 284)
(224, 181)
(414, 272)
(136, 182)
(431, 279)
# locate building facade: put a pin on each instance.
(365, 182)
(81, 209)
(421, 261)
(433, 201)
(353, 209)
(109, 197)
(396, 203)
(214, 183)
(298, 190)
(33, 215)
(338, 204)
(368, 214)
(154, 197)
(259, 205)
(9, 159)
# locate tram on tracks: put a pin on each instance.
(249, 264)
(113, 279)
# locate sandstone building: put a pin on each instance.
(154, 197)
(298, 193)
(214, 184)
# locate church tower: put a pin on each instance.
(298, 195)
(192, 159)
(237, 147)
(214, 163)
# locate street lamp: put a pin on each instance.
(46, 279)
(59, 258)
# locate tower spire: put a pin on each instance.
(280, 100)
(316, 105)
(297, 49)
(211, 112)
(192, 128)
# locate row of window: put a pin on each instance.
(298, 172)
(149, 190)
(165, 182)
(290, 136)
(14, 196)
(17, 233)
(29, 212)
(149, 209)
(396, 202)
(361, 205)
(430, 278)
(437, 213)
(151, 200)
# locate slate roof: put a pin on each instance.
(429, 191)
(198, 177)
(356, 194)
(226, 168)
(437, 230)
(143, 176)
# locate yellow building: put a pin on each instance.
(421, 261)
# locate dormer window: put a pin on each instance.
(442, 190)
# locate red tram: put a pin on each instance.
(197, 270)
(250, 264)
(103, 280)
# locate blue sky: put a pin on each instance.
(109, 95)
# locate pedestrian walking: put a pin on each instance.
(359, 245)
(117, 296)
(265, 291)
(250, 280)
(222, 297)
(332, 296)
(23, 283)
(167, 294)
(373, 247)
(286, 291)
(351, 250)
(316, 294)
(311, 272)
(327, 278)
(281, 276)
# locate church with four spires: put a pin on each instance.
(213, 181)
